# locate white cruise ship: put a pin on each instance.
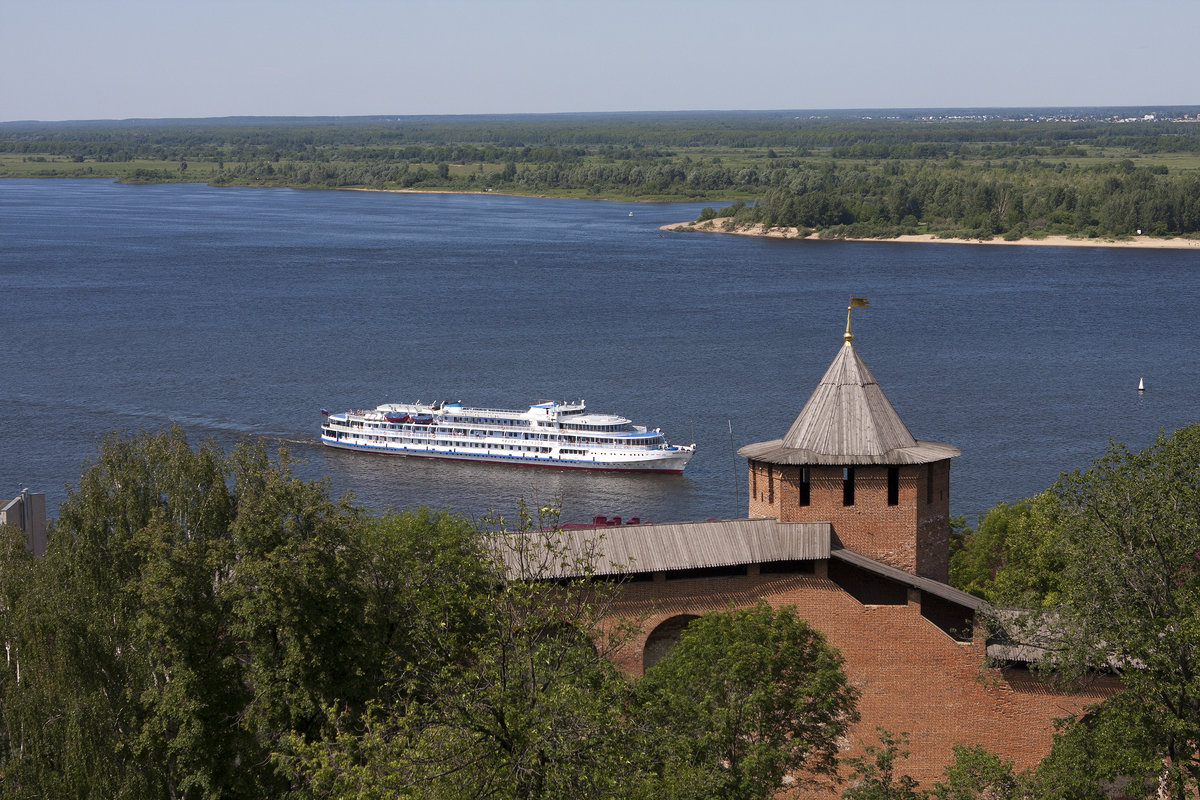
(549, 434)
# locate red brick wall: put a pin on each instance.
(913, 535)
(912, 676)
(933, 521)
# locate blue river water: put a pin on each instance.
(241, 312)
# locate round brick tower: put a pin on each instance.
(849, 460)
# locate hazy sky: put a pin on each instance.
(116, 59)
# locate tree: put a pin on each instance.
(1128, 533)
(207, 626)
(190, 613)
(873, 776)
(1012, 558)
(976, 774)
(522, 702)
(749, 696)
(532, 706)
(1110, 751)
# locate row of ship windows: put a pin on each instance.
(448, 443)
(496, 422)
(543, 436)
(611, 428)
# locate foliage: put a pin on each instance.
(874, 776)
(976, 774)
(1127, 532)
(192, 614)
(1109, 752)
(755, 691)
(528, 705)
(1011, 559)
(1108, 563)
(207, 626)
(982, 201)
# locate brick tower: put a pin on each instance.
(849, 460)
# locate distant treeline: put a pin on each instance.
(842, 175)
(561, 137)
(1013, 199)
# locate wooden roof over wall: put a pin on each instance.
(630, 549)
(928, 585)
(848, 421)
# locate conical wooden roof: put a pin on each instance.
(847, 420)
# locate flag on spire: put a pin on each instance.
(855, 302)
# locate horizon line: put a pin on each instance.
(516, 114)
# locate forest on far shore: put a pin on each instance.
(838, 174)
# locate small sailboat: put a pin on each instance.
(1141, 385)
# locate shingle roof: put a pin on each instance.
(629, 549)
(848, 420)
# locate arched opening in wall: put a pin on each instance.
(663, 638)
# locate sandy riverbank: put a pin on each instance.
(716, 226)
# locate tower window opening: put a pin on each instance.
(848, 486)
(770, 484)
(805, 487)
(893, 486)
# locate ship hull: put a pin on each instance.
(668, 466)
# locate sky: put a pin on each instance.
(122, 59)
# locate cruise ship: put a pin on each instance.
(549, 434)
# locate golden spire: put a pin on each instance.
(855, 302)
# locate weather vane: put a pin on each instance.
(855, 302)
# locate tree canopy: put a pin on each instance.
(1107, 565)
(208, 626)
(755, 691)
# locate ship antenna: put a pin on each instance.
(855, 302)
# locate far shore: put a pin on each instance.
(1150, 242)
(717, 226)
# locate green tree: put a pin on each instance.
(1012, 558)
(1113, 750)
(424, 574)
(1128, 534)
(749, 696)
(976, 774)
(191, 612)
(523, 702)
(874, 776)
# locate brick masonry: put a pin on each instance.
(912, 535)
(913, 677)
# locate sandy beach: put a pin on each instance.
(1149, 242)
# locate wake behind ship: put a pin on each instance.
(549, 434)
